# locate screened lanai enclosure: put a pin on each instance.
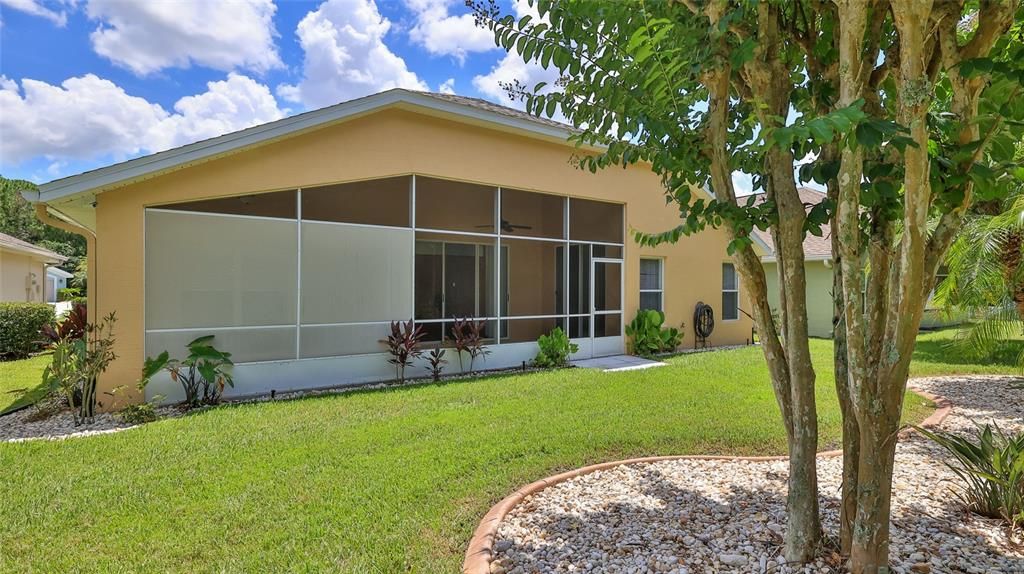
(302, 284)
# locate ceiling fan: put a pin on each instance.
(506, 227)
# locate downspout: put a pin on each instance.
(43, 214)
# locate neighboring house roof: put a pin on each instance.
(58, 272)
(9, 243)
(461, 108)
(815, 248)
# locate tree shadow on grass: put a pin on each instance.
(951, 352)
(23, 398)
(662, 520)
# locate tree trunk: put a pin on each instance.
(869, 551)
(851, 430)
(792, 374)
(804, 529)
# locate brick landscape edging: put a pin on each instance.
(481, 547)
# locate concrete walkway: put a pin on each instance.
(618, 363)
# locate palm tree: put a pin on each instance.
(985, 279)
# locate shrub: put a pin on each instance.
(555, 349)
(71, 326)
(436, 361)
(140, 413)
(76, 365)
(68, 293)
(404, 346)
(203, 374)
(467, 337)
(649, 337)
(990, 466)
(20, 324)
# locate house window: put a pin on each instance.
(730, 293)
(651, 284)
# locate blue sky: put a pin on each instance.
(86, 83)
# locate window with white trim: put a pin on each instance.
(652, 292)
(730, 293)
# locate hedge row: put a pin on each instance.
(19, 328)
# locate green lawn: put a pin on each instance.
(375, 481)
(21, 382)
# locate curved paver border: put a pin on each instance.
(481, 546)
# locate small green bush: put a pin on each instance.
(20, 324)
(139, 413)
(555, 349)
(649, 337)
(990, 466)
(68, 293)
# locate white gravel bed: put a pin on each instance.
(695, 516)
(19, 426)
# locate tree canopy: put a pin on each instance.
(907, 111)
(18, 219)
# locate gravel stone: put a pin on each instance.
(710, 516)
(19, 426)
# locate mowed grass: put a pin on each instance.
(21, 382)
(377, 481)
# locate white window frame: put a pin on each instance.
(736, 277)
(661, 282)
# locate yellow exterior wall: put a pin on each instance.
(819, 295)
(22, 278)
(397, 142)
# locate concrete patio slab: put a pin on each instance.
(618, 363)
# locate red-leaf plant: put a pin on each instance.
(467, 336)
(436, 361)
(70, 328)
(404, 346)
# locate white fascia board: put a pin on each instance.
(40, 254)
(177, 158)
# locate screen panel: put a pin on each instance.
(529, 214)
(533, 277)
(245, 345)
(595, 221)
(529, 330)
(210, 270)
(373, 202)
(280, 204)
(355, 274)
(455, 205)
(339, 340)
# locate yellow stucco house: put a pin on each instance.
(296, 242)
(23, 268)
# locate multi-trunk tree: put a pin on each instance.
(902, 108)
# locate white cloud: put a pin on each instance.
(346, 56)
(40, 8)
(82, 118)
(512, 67)
(443, 33)
(88, 118)
(228, 105)
(146, 37)
(447, 87)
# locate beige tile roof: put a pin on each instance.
(15, 244)
(105, 177)
(814, 247)
(498, 109)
